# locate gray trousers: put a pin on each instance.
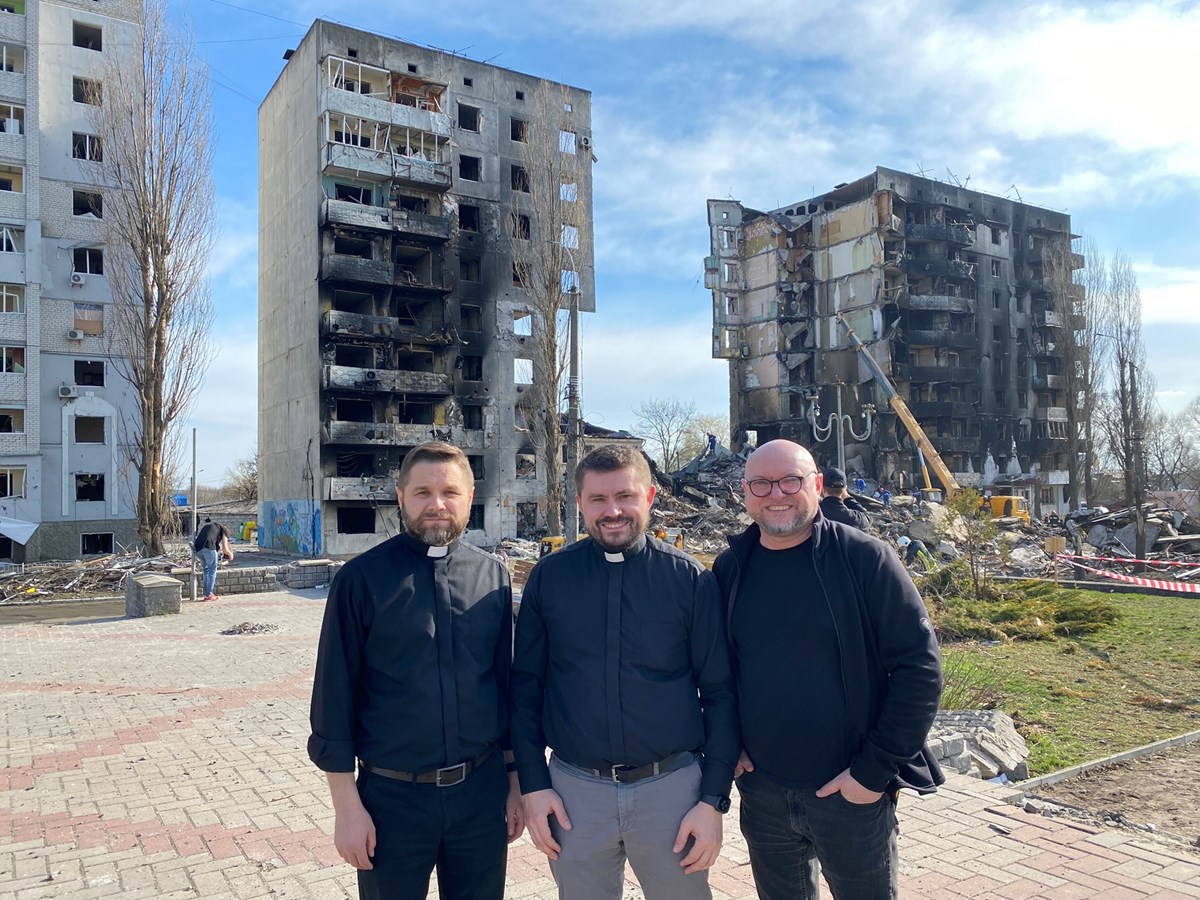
(613, 822)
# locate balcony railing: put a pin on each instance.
(382, 433)
(939, 268)
(365, 487)
(340, 267)
(935, 302)
(952, 232)
(962, 340)
(421, 224)
(355, 378)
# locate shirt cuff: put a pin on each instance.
(331, 756)
(533, 776)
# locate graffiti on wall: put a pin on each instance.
(290, 526)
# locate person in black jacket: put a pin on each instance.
(838, 677)
(838, 505)
(411, 686)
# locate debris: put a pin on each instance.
(98, 575)
(251, 628)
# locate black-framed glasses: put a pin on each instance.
(788, 484)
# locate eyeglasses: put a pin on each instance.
(788, 484)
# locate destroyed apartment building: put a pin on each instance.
(390, 307)
(948, 289)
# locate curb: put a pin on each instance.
(1071, 772)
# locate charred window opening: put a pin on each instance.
(526, 520)
(468, 217)
(354, 193)
(476, 467)
(469, 269)
(469, 167)
(357, 357)
(471, 318)
(518, 275)
(355, 520)
(473, 417)
(475, 523)
(355, 465)
(414, 362)
(87, 203)
(472, 368)
(354, 302)
(517, 129)
(520, 226)
(348, 246)
(526, 465)
(413, 266)
(996, 268)
(412, 204)
(89, 37)
(415, 412)
(522, 322)
(520, 179)
(89, 487)
(354, 410)
(89, 430)
(469, 117)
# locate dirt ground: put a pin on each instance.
(1163, 790)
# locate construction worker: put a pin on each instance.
(916, 551)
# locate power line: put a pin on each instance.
(258, 13)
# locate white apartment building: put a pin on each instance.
(67, 487)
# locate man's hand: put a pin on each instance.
(850, 789)
(744, 764)
(703, 824)
(353, 830)
(514, 812)
(539, 807)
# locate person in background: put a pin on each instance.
(837, 504)
(211, 543)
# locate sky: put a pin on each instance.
(1085, 108)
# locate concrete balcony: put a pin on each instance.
(960, 340)
(358, 379)
(366, 487)
(1046, 350)
(355, 215)
(410, 282)
(12, 28)
(1056, 476)
(412, 224)
(421, 173)
(935, 302)
(357, 162)
(336, 322)
(339, 267)
(961, 444)
(953, 233)
(1050, 414)
(947, 409)
(379, 109)
(1053, 382)
(939, 268)
(391, 435)
(12, 265)
(1047, 319)
(953, 374)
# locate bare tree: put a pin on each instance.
(666, 424)
(243, 477)
(695, 438)
(1171, 452)
(151, 110)
(549, 234)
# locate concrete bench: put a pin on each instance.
(151, 595)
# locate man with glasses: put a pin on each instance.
(838, 678)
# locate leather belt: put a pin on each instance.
(630, 774)
(444, 777)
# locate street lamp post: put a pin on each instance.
(836, 422)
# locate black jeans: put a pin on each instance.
(459, 830)
(789, 831)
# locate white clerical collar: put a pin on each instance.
(437, 551)
(614, 557)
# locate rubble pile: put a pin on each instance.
(99, 576)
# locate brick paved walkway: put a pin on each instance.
(156, 758)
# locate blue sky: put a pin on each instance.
(1086, 108)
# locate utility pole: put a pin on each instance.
(571, 519)
(194, 516)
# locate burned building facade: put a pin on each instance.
(389, 311)
(944, 285)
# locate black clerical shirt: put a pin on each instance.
(413, 661)
(621, 659)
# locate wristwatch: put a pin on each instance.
(717, 801)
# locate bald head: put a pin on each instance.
(784, 519)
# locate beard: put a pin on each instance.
(610, 543)
(800, 521)
(435, 532)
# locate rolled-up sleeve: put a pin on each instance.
(331, 745)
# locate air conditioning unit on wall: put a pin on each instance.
(78, 278)
(75, 335)
(68, 392)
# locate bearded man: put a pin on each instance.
(412, 682)
(622, 668)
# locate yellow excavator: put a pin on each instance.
(926, 453)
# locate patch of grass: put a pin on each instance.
(1020, 611)
(1074, 705)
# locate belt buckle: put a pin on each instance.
(461, 768)
(617, 772)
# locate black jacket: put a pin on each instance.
(891, 666)
(848, 512)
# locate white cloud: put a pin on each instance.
(234, 258)
(627, 362)
(226, 414)
(1170, 294)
